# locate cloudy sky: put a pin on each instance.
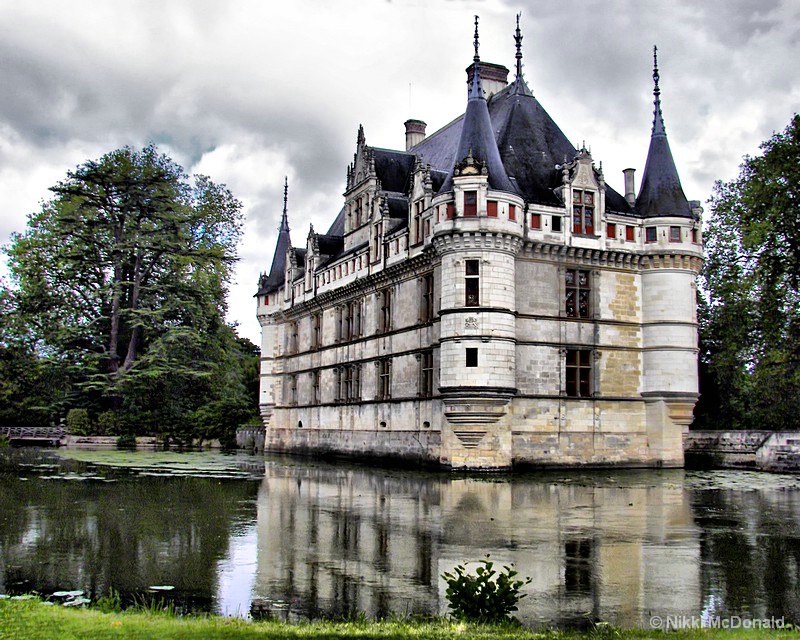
(250, 91)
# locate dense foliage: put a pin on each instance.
(486, 596)
(750, 309)
(117, 304)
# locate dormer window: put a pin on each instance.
(470, 203)
(583, 212)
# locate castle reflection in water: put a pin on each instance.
(618, 547)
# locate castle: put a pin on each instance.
(484, 300)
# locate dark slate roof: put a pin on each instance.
(274, 280)
(478, 139)
(337, 228)
(330, 245)
(530, 144)
(393, 169)
(398, 205)
(661, 193)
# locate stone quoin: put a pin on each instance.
(485, 300)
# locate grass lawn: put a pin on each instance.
(31, 619)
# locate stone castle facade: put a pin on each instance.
(484, 300)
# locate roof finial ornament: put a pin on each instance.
(658, 118)
(285, 216)
(518, 40)
(477, 58)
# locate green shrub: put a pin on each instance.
(78, 422)
(4, 441)
(126, 441)
(108, 424)
(487, 596)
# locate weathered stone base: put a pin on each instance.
(757, 450)
(528, 432)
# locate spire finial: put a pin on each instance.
(518, 40)
(658, 118)
(285, 216)
(477, 58)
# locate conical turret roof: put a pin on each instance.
(477, 136)
(275, 279)
(661, 194)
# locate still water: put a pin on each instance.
(233, 532)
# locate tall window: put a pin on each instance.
(577, 293)
(426, 298)
(674, 234)
(555, 224)
(384, 387)
(450, 210)
(536, 221)
(292, 390)
(472, 357)
(385, 311)
(583, 212)
(611, 230)
(472, 283)
(417, 222)
(579, 373)
(629, 233)
(512, 212)
(348, 383)
(376, 243)
(316, 330)
(426, 374)
(650, 234)
(470, 204)
(293, 337)
(491, 208)
(315, 388)
(358, 212)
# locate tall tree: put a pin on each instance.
(122, 276)
(750, 327)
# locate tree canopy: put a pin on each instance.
(750, 313)
(119, 282)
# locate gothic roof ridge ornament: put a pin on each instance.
(285, 215)
(520, 86)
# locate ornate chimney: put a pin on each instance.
(415, 132)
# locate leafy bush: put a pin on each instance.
(78, 422)
(487, 596)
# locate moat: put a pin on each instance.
(226, 533)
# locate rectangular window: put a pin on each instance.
(293, 337)
(579, 373)
(293, 390)
(470, 204)
(577, 293)
(536, 221)
(629, 233)
(354, 319)
(491, 208)
(426, 374)
(385, 318)
(427, 231)
(315, 389)
(472, 283)
(472, 357)
(316, 330)
(695, 236)
(555, 224)
(512, 212)
(376, 243)
(650, 234)
(583, 212)
(611, 230)
(451, 210)
(384, 390)
(674, 234)
(426, 299)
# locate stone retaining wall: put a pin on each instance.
(776, 451)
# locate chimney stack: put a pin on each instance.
(630, 192)
(415, 133)
(494, 77)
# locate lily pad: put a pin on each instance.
(161, 587)
(67, 594)
(77, 602)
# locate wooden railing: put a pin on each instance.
(33, 433)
